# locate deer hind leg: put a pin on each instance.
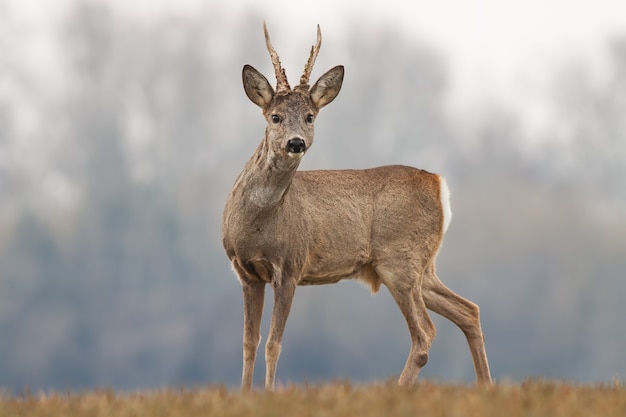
(408, 295)
(253, 295)
(283, 296)
(464, 314)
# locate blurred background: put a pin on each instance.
(123, 127)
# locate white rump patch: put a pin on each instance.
(444, 194)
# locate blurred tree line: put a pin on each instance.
(112, 186)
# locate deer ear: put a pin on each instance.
(327, 87)
(257, 88)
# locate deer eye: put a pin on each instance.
(310, 118)
(275, 118)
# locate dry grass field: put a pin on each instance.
(530, 398)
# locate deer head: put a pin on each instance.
(290, 113)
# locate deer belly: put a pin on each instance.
(364, 272)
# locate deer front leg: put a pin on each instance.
(253, 295)
(283, 296)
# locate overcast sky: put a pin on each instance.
(499, 50)
(505, 39)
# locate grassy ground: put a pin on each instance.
(531, 398)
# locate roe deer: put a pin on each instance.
(286, 227)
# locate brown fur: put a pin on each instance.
(285, 228)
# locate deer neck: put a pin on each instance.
(265, 179)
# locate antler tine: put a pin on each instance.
(304, 80)
(281, 77)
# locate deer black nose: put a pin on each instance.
(296, 145)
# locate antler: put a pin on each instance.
(281, 77)
(304, 80)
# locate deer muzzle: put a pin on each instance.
(296, 146)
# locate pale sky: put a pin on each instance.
(502, 41)
(500, 51)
